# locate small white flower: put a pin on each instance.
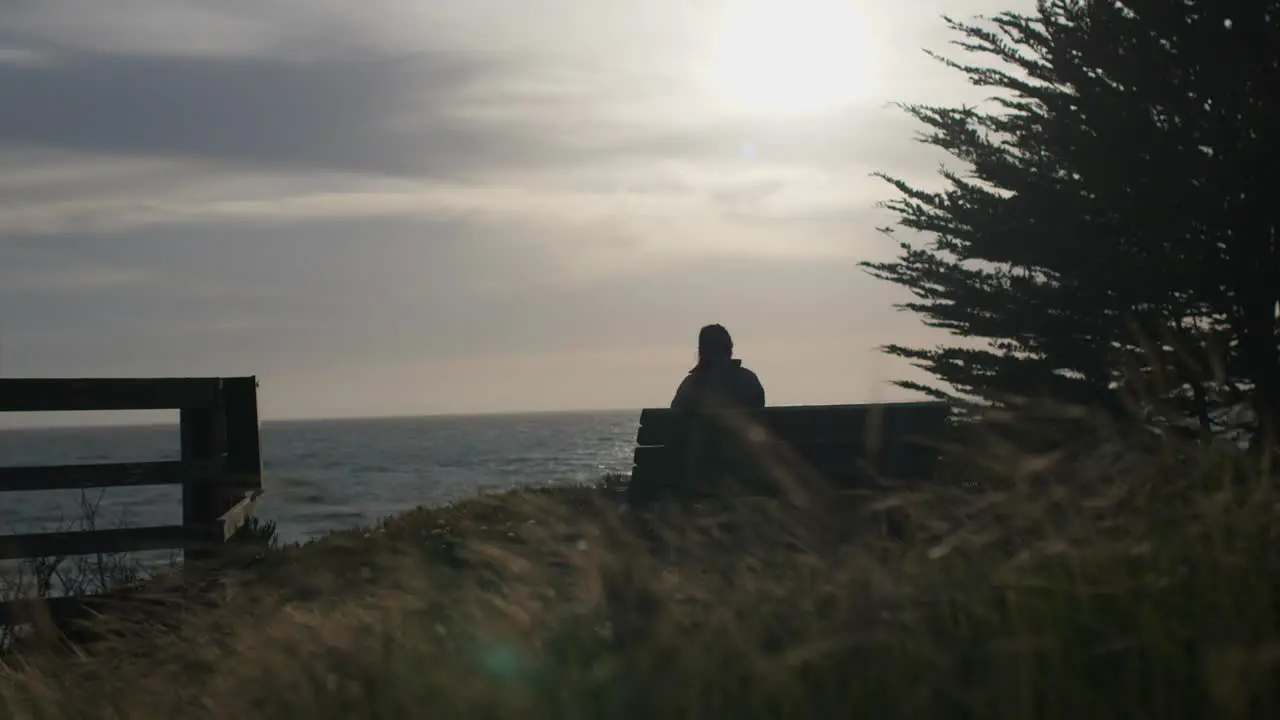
(582, 545)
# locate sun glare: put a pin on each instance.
(792, 56)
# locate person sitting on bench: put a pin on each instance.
(718, 381)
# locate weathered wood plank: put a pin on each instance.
(203, 433)
(103, 475)
(818, 454)
(235, 518)
(657, 478)
(56, 394)
(901, 466)
(243, 437)
(832, 463)
(61, 544)
(829, 423)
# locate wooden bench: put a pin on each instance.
(844, 446)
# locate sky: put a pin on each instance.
(413, 207)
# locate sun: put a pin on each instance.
(786, 57)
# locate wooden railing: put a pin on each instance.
(220, 470)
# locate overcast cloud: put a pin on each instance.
(411, 207)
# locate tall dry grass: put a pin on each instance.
(1119, 575)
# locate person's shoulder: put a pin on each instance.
(748, 373)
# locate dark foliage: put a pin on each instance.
(1114, 233)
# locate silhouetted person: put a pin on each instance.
(718, 381)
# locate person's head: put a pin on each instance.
(714, 343)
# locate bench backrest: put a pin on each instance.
(843, 445)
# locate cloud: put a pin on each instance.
(430, 112)
(21, 56)
(295, 128)
(312, 28)
(172, 27)
(378, 116)
(323, 299)
(428, 204)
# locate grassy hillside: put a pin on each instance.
(1115, 578)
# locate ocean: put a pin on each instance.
(326, 475)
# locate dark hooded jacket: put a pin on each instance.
(719, 385)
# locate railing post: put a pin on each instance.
(244, 450)
(203, 433)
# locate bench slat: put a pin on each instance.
(819, 453)
(845, 478)
(825, 461)
(660, 426)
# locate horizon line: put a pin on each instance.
(334, 418)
